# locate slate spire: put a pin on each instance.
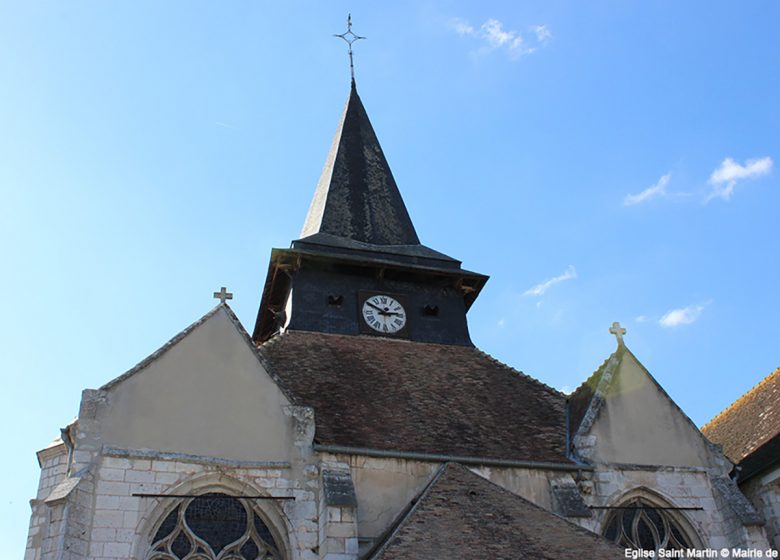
(356, 197)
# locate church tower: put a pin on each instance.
(359, 267)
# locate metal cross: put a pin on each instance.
(223, 295)
(349, 37)
(618, 331)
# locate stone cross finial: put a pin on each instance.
(223, 295)
(618, 331)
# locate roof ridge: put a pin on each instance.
(520, 373)
(269, 342)
(733, 405)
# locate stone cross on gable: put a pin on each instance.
(618, 331)
(223, 295)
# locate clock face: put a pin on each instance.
(384, 314)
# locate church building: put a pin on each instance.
(358, 420)
(749, 433)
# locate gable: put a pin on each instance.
(638, 423)
(462, 515)
(205, 393)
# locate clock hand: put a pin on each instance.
(380, 311)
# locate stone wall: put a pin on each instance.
(124, 524)
(54, 464)
(715, 526)
(97, 515)
(341, 503)
(764, 493)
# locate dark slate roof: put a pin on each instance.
(402, 396)
(357, 197)
(749, 423)
(462, 515)
(419, 255)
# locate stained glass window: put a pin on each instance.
(213, 526)
(639, 524)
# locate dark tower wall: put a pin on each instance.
(328, 300)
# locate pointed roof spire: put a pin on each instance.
(357, 197)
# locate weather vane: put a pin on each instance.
(350, 37)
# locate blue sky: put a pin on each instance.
(602, 161)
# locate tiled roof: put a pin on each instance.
(397, 395)
(750, 422)
(462, 515)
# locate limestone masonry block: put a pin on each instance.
(117, 475)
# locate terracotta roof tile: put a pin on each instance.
(398, 395)
(750, 422)
(462, 515)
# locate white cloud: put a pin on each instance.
(494, 36)
(730, 172)
(567, 390)
(543, 34)
(681, 316)
(642, 319)
(569, 274)
(461, 26)
(654, 191)
(501, 323)
(494, 33)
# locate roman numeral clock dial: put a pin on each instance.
(383, 314)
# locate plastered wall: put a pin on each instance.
(207, 395)
(639, 424)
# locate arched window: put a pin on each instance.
(641, 524)
(213, 526)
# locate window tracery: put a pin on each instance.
(640, 524)
(213, 527)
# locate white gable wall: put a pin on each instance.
(207, 395)
(639, 424)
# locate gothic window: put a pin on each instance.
(213, 527)
(639, 524)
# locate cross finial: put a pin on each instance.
(618, 331)
(350, 37)
(223, 295)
